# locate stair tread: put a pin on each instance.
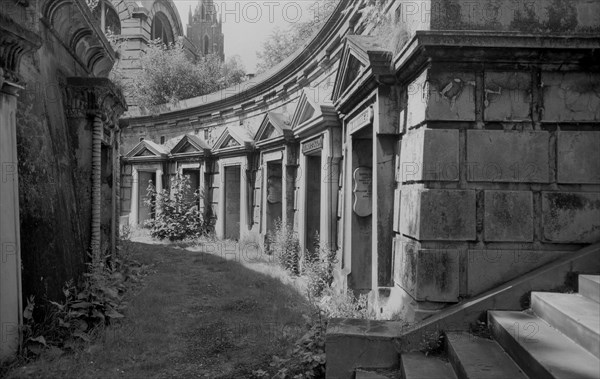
(418, 366)
(589, 286)
(575, 306)
(556, 353)
(574, 315)
(366, 374)
(480, 358)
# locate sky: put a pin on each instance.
(247, 24)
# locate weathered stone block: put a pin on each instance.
(571, 96)
(428, 275)
(417, 101)
(353, 343)
(126, 193)
(507, 96)
(438, 214)
(487, 269)
(578, 156)
(451, 96)
(499, 156)
(571, 216)
(508, 216)
(428, 154)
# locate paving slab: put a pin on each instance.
(541, 350)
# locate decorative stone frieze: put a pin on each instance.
(15, 42)
(94, 96)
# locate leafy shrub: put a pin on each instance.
(284, 244)
(177, 214)
(318, 268)
(344, 305)
(88, 307)
(307, 358)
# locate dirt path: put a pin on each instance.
(198, 315)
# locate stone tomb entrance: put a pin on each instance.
(312, 202)
(193, 177)
(145, 211)
(233, 206)
(274, 196)
(360, 195)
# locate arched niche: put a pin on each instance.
(110, 21)
(206, 45)
(162, 29)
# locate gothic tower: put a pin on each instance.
(205, 29)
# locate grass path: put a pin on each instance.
(198, 315)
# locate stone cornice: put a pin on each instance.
(271, 85)
(94, 96)
(15, 41)
(495, 48)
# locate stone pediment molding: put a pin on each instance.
(365, 63)
(190, 145)
(313, 114)
(233, 139)
(15, 41)
(273, 126)
(146, 150)
(94, 96)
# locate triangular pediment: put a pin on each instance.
(230, 142)
(361, 53)
(273, 125)
(307, 109)
(145, 153)
(190, 144)
(233, 137)
(146, 149)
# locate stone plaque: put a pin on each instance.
(363, 119)
(363, 191)
(274, 189)
(315, 144)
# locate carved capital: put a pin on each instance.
(94, 96)
(15, 41)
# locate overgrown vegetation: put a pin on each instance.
(53, 328)
(307, 358)
(177, 214)
(282, 43)
(283, 243)
(169, 75)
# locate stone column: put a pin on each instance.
(94, 104)
(14, 43)
(135, 187)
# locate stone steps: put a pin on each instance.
(418, 366)
(574, 315)
(541, 350)
(474, 357)
(589, 286)
(559, 337)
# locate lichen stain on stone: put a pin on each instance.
(566, 201)
(562, 17)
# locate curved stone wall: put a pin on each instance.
(438, 159)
